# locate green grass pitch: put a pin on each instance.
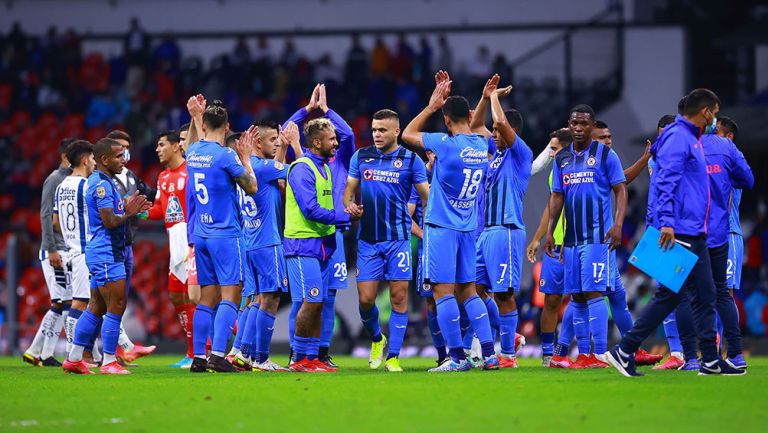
(157, 398)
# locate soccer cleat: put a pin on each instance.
(737, 361)
(719, 368)
(321, 367)
(581, 362)
(644, 358)
(185, 362)
(51, 362)
(113, 368)
(301, 366)
(218, 364)
(507, 361)
(546, 360)
(269, 365)
(33, 360)
(138, 351)
(624, 364)
(199, 365)
(449, 365)
(79, 367)
(598, 361)
(230, 358)
(241, 362)
(377, 353)
(328, 360)
(393, 365)
(690, 365)
(672, 363)
(560, 362)
(519, 341)
(89, 361)
(491, 363)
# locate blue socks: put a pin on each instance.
(548, 343)
(370, 320)
(248, 323)
(265, 323)
(300, 347)
(213, 319)
(110, 331)
(598, 323)
(493, 314)
(222, 327)
(437, 336)
(313, 345)
(398, 323)
(673, 335)
(619, 310)
(466, 329)
(566, 332)
(295, 307)
(85, 330)
(240, 327)
(478, 315)
(448, 318)
(328, 319)
(581, 326)
(508, 328)
(201, 328)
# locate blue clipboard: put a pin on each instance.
(670, 268)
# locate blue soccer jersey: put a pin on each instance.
(418, 213)
(261, 211)
(733, 218)
(386, 181)
(461, 162)
(507, 180)
(106, 245)
(213, 196)
(585, 180)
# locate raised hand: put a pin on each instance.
(244, 146)
(440, 95)
(490, 86)
(313, 99)
(196, 106)
(135, 203)
(322, 101)
(290, 134)
(503, 91)
(441, 76)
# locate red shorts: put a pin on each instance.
(191, 268)
(175, 285)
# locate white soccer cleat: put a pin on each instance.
(269, 365)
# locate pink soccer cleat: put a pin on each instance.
(113, 367)
(79, 367)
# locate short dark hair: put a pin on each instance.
(582, 108)
(215, 116)
(563, 135)
(119, 135)
(386, 114)
(232, 138)
(170, 135)
(698, 99)
(184, 127)
(63, 144)
(681, 105)
(104, 147)
(729, 125)
(665, 120)
(599, 124)
(456, 108)
(76, 150)
(267, 124)
(515, 119)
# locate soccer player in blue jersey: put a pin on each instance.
(584, 175)
(264, 245)
(451, 220)
(215, 221)
(339, 165)
(385, 174)
(727, 128)
(501, 245)
(105, 256)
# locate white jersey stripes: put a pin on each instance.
(73, 213)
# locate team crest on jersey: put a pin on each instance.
(285, 281)
(101, 192)
(591, 161)
(367, 174)
(174, 213)
(426, 287)
(566, 179)
(542, 282)
(279, 165)
(398, 163)
(314, 291)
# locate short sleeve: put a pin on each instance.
(613, 169)
(419, 171)
(354, 170)
(230, 162)
(104, 195)
(557, 178)
(491, 145)
(275, 171)
(435, 142)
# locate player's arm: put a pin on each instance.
(670, 163)
(633, 171)
(346, 134)
(423, 190)
(302, 181)
(613, 237)
(56, 224)
(134, 204)
(46, 222)
(412, 134)
(156, 211)
(478, 117)
(555, 206)
(533, 248)
(298, 118)
(500, 122)
(195, 106)
(245, 178)
(542, 161)
(350, 190)
(740, 173)
(415, 229)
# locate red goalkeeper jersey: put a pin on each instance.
(171, 200)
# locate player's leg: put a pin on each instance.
(560, 357)
(425, 291)
(617, 298)
(687, 332)
(733, 272)
(242, 315)
(572, 285)
(370, 265)
(127, 350)
(56, 281)
(177, 292)
(338, 267)
(726, 308)
(193, 287)
(675, 359)
(81, 294)
(397, 256)
(86, 328)
(311, 278)
(482, 283)
(595, 274)
(113, 292)
(271, 283)
(202, 320)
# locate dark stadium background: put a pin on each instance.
(81, 68)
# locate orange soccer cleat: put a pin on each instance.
(138, 351)
(560, 362)
(672, 363)
(644, 358)
(507, 361)
(113, 367)
(79, 367)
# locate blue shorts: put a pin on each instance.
(425, 289)
(615, 284)
(449, 255)
(500, 258)
(267, 267)
(338, 264)
(551, 278)
(735, 260)
(383, 261)
(587, 268)
(219, 261)
(103, 273)
(309, 278)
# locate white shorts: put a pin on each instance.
(78, 276)
(56, 279)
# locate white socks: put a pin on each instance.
(124, 341)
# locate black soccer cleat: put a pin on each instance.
(624, 364)
(328, 360)
(51, 362)
(199, 365)
(219, 364)
(719, 368)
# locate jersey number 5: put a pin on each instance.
(200, 189)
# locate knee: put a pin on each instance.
(194, 294)
(117, 304)
(551, 303)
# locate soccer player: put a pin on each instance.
(170, 205)
(310, 239)
(265, 259)
(501, 245)
(127, 183)
(584, 175)
(682, 192)
(214, 219)
(51, 249)
(385, 174)
(70, 219)
(339, 165)
(728, 172)
(451, 220)
(105, 257)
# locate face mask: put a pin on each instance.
(710, 129)
(127, 155)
